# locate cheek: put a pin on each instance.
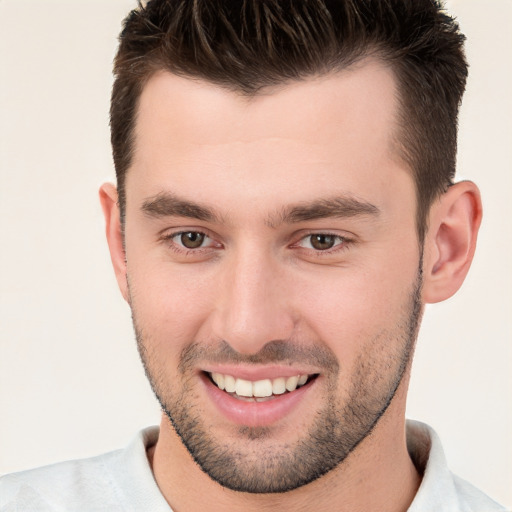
(170, 305)
(353, 307)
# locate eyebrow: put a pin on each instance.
(166, 204)
(341, 207)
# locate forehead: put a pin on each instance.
(331, 133)
(365, 91)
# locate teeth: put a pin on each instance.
(278, 386)
(218, 378)
(262, 388)
(243, 387)
(259, 389)
(291, 383)
(229, 383)
(302, 380)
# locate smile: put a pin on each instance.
(260, 390)
(259, 397)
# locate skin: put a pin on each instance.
(257, 281)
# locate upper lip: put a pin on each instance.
(255, 373)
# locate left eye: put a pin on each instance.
(190, 239)
(321, 241)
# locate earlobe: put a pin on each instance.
(113, 228)
(450, 243)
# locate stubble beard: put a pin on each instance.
(256, 465)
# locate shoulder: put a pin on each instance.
(62, 486)
(474, 499)
(440, 489)
(115, 481)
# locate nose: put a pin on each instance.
(253, 306)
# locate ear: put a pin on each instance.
(110, 206)
(450, 243)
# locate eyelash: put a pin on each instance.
(180, 249)
(342, 245)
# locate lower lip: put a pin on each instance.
(256, 414)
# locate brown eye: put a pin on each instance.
(192, 239)
(322, 242)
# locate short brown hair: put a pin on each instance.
(247, 45)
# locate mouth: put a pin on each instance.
(259, 390)
(260, 397)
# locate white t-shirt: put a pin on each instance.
(122, 481)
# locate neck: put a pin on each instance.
(377, 475)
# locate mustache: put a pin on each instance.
(279, 351)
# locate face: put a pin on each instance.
(272, 269)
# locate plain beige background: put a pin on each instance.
(70, 381)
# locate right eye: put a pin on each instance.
(190, 244)
(190, 239)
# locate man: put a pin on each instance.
(284, 209)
